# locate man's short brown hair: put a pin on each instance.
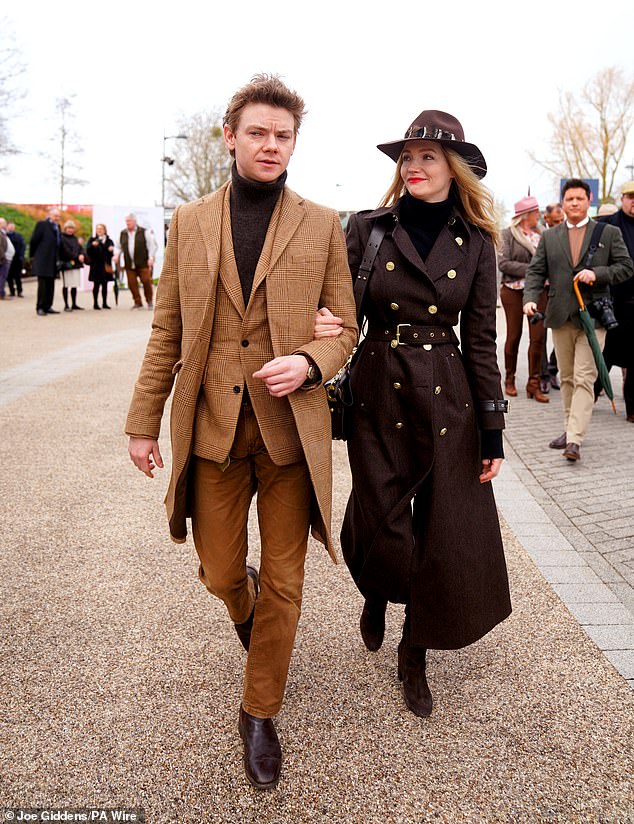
(264, 88)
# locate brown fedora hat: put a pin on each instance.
(442, 128)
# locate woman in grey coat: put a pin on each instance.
(421, 525)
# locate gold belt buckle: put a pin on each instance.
(397, 341)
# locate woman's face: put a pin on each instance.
(100, 230)
(531, 220)
(425, 171)
(69, 230)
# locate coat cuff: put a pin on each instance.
(491, 443)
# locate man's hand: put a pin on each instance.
(530, 308)
(327, 325)
(491, 466)
(150, 263)
(145, 453)
(586, 276)
(283, 375)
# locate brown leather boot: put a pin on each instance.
(533, 390)
(509, 385)
(411, 671)
(262, 750)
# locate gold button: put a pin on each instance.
(399, 425)
(427, 346)
(443, 431)
(394, 306)
(396, 385)
(389, 266)
(437, 390)
(432, 309)
(466, 405)
(394, 344)
(459, 241)
(451, 274)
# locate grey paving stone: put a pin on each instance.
(615, 637)
(554, 558)
(585, 593)
(623, 660)
(624, 592)
(602, 567)
(570, 574)
(598, 614)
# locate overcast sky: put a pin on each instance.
(365, 70)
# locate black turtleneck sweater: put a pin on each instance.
(252, 205)
(423, 221)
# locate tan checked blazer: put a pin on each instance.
(303, 266)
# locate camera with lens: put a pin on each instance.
(536, 317)
(601, 309)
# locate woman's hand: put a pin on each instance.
(490, 469)
(327, 325)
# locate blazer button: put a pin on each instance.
(237, 389)
(459, 241)
(451, 274)
(427, 346)
(245, 343)
(394, 306)
(432, 309)
(396, 385)
(437, 390)
(443, 431)
(399, 425)
(389, 266)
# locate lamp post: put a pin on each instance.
(169, 161)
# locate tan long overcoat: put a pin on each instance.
(303, 266)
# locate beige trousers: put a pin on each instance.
(577, 373)
(220, 507)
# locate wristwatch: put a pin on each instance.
(311, 374)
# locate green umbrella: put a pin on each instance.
(588, 327)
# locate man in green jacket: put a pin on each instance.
(561, 258)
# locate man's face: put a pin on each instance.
(10, 227)
(130, 222)
(263, 142)
(3, 223)
(576, 204)
(554, 217)
(54, 215)
(627, 203)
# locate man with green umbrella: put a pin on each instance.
(562, 258)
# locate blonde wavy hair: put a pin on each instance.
(474, 200)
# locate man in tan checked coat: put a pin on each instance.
(246, 269)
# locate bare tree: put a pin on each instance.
(200, 164)
(12, 67)
(590, 133)
(67, 147)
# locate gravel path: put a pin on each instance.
(121, 676)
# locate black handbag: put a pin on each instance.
(338, 391)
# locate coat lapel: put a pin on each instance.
(228, 268)
(562, 236)
(286, 217)
(209, 216)
(586, 243)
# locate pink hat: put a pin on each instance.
(525, 205)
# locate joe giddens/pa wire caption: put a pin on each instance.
(24, 815)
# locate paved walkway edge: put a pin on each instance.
(597, 609)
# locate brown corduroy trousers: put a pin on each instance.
(146, 279)
(220, 503)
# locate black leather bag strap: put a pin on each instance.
(365, 269)
(594, 243)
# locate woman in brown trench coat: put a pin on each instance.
(421, 525)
